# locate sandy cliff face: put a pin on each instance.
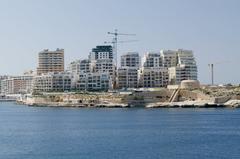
(161, 97)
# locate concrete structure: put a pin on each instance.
(102, 61)
(190, 84)
(186, 68)
(79, 66)
(154, 71)
(98, 72)
(127, 74)
(1, 79)
(152, 60)
(50, 61)
(98, 81)
(170, 58)
(127, 77)
(17, 85)
(153, 77)
(178, 74)
(53, 82)
(101, 52)
(130, 59)
(104, 66)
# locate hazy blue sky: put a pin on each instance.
(211, 28)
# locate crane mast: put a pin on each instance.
(115, 43)
(212, 73)
(212, 65)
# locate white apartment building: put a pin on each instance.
(153, 77)
(98, 81)
(98, 72)
(127, 74)
(186, 68)
(17, 85)
(127, 77)
(130, 59)
(104, 66)
(170, 58)
(53, 82)
(79, 66)
(152, 60)
(153, 73)
(1, 79)
(186, 57)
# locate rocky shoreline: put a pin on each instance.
(198, 104)
(161, 98)
(185, 104)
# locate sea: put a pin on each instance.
(118, 133)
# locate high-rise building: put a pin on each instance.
(98, 72)
(101, 52)
(50, 61)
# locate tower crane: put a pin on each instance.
(115, 42)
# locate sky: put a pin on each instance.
(211, 28)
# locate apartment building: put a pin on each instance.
(53, 82)
(153, 77)
(104, 66)
(153, 73)
(170, 58)
(127, 74)
(186, 68)
(17, 84)
(80, 66)
(97, 81)
(1, 79)
(127, 77)
(101, 52)
(130, 59)
(152, 60)
(50, 61)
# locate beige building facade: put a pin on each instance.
(50, 61)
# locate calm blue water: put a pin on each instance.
(67, 133)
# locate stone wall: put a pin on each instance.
(192, 96)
